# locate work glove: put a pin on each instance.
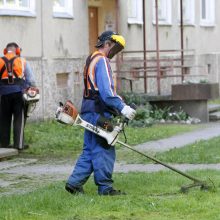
(128, 112)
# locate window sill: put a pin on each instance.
(135, 22)
(6, 12)
(188, 24)
(163, 23)
(202, 24)
(62, 15)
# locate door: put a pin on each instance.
(93, 28)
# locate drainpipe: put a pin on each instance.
(117, 57)
(181, 38)
(117, 14)
(144, 44)
(157, 48)
(41, 61)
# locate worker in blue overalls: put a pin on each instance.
(99, 98)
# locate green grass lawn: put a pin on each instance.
(52, 139)
(153, 196)
(200, 152)
(214, 101)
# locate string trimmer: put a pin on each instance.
(68, 114)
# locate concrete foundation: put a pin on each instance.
(194, 108)
(191, 98)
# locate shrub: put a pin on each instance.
(148, 114)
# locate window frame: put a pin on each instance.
(64, 12)
(188, 20)
(16, 10)
(167, 8)
(138, 11)
(209, 21)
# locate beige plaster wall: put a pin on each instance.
(52, 46)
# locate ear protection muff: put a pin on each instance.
(5, 51)
(17, 51)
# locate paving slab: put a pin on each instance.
(64, 170)
(214, 116)
(149, 168)
(17, 162)
(213, 107)
(7, 152)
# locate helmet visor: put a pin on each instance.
(114, 50)
(119, 45)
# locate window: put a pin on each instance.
(63, 8)
(188, 12)
(164, 12)
(207, 12)
(17, 7)
(135, 12)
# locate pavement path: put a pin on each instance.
(30, 168)
(30, 172)
(181, 140)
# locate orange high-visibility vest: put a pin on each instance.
(12, 67)
(90, 87)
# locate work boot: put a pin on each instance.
(74, 190)
(113, 192)
(25, 147)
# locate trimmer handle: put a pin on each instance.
(126, 120)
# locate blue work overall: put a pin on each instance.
(97, 156)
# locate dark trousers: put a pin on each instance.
(12, 107)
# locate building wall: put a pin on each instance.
(202, 40)
(169, 35)
(55, 47)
